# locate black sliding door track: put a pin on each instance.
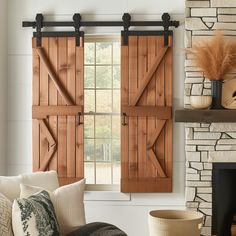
(77, 23)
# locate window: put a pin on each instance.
(102, 111)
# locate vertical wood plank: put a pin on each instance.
(151, 99)
(35, 101)
(133, 122)
(53, 56)
(80, 101)
(142, 134)
(43, 100)
(160, 101)
(124, 102)
(62, 120)
(169, 102)
(143, 175)
(71, 126)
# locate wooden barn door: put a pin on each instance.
(57, 105)
(146, 104)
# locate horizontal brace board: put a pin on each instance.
(139, 185)
(42, 112)
(160, 112)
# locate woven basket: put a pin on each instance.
(175, 223)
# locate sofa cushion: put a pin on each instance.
(34, 216)
(5, 216)
(98, 229)
(47, 180)
(10, 186)
(68, 203)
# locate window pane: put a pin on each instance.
(103, 150)
(116, 100)
(89, 149)
(89, 101)
(103, 53)
(116, 127)
(115, 150)
(89, 76)
(89, 49)
(103, 101)
(103, 126)
(89, 172)
(103, 77)
(116, 76)
(103, 173)
(89, 126)
(102, 97)
(116, 53)
(116, 173)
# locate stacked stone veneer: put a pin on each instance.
(205, 143)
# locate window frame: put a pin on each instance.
(97, 39)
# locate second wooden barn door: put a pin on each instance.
(57, 106)
(146, 104)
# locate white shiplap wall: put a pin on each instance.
(130, 215)
(3, 83)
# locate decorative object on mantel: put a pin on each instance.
(216, 58)
(229, 94)
(200, 102)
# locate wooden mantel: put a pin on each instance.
(205, 116)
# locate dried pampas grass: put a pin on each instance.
(215, 57)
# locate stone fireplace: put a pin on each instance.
(207, 144)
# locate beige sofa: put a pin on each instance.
(67, 201)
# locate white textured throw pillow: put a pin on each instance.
(10, 186)
(5, 216)
(68, 202)
(34, 216)
(47, 180)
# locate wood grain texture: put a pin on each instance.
(160, 112)
(35, 101)
(48, 67)
(169, 102)
(57, 99)
(62, 120)
(160, 101)
(154, 134)
(156, 164)
(144, 166)
(42, 112)
(142, 134)
(151, 101)
(148, 76)
(43, 91)
(146, 185)
(133, 121)
(71, 120)
(53, 48)
(124, 102)
(80, 101)
(51, 143)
